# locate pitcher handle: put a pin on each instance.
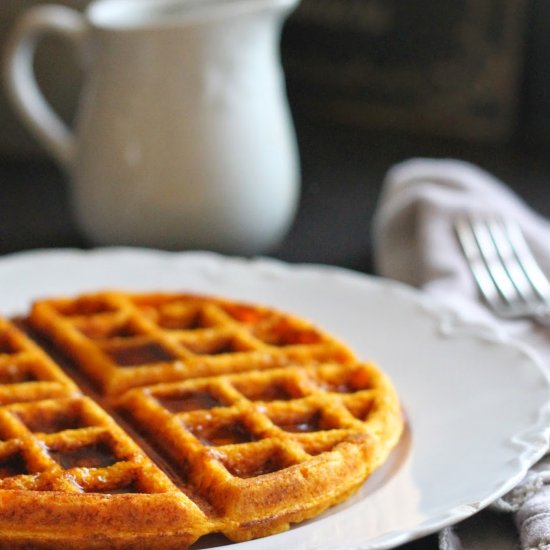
(22, 88)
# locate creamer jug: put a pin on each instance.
(183, 136)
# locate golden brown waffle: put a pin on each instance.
(26, 372)
(124, 340)
(270, 448)
(245, 420)
(69, 475)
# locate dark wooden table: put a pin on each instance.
(342, 170)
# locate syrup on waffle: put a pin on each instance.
(270, 448)
(124, 340)
(237, 419)
(26, 372)
(70, 477)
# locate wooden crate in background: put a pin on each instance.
(444, 67)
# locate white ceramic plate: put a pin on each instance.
(477, 406)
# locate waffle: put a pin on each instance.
(270, 448)
(26, 372)
(126, 340)
(192, 415)
(70, 477)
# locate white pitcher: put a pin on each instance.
(183, 137)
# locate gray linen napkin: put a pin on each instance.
(414, 242)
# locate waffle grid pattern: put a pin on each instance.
(233, 430)
(63, 458)
(242, 420)
(26, 372)
(124, 340)
(71, 445)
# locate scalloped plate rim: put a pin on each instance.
(533, 440)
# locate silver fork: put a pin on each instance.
(504, 268)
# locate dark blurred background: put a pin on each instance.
(472, 69)
(468, 69)
(370, 83)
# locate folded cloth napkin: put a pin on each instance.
(414, 242)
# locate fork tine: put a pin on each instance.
(493, 261)
(476, 262)
(511, 259)
(527, 261)
(505, 270)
